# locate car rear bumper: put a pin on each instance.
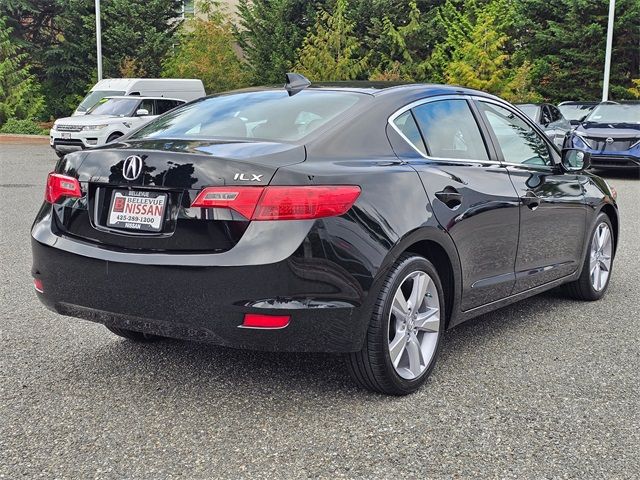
(208, 303)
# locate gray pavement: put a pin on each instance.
(546, 388)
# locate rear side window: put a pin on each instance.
(450, 130)
(268, 115)
(407, 126)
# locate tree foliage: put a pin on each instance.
(20, 96)
(206, 51)
(270, 32)
(330, 50)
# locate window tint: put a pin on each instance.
(450, 130)
(518, 141)
(266, 115)
(163, 106)
(407, 125)
(556, 116)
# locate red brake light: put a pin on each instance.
(280, 202)
(241, 199)
(60, 186)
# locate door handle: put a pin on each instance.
(450, 197)
(531, 200)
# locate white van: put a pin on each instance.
(180, 88)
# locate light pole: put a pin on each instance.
(99, 40)
(607, 55)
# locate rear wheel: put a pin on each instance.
(403, 339)
(132, 335)
(596, 269)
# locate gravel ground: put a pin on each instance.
(546, 388)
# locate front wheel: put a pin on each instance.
(403, 338)
(598, 263)
(113, 137)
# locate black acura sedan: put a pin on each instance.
(356, 219)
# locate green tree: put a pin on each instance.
(59, 37)
(270, 33)
(205, 50)
(566, 45)
(20, 96)
(330, 51)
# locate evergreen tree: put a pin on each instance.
(270, 33)
(20, 96)
(206, 51)
(330, 51)
(566, 46)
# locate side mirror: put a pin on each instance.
(141, 112)
(574, 160)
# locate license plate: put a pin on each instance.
(66, 136)
(137, 210)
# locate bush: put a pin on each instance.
(26, 127)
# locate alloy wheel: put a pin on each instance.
(414, 323)
(600, 257)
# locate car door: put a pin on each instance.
(552, 207)
(470, 192)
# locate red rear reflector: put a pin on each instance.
(254, 320)
(281, 203)
(37, 284)
(61, 186)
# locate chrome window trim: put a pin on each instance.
(422, 101)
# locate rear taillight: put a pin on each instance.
(279, 202)
(61, 186)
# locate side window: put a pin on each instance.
(518, 141)
(147, 105)
(407, 125)
(556, 116)
(450, 130)
(163, 106)
(545, 119)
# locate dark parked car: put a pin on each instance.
(576, 111)
(550, 120)
(345, 219)
(611, 133)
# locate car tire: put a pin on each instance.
(587, 287)
(113, 136)
(132, 335)
(372, 367)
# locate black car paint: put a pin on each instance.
(324, 273)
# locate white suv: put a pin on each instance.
(110, 119)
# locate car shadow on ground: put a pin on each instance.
(210, 370)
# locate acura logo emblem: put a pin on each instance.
(132, 167)
(609, 140)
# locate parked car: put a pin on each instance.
(550, 120)
(341, 218)
(611, 134)
(186, 89)
(106, 121)
(576, 111)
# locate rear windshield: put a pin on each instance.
(608, 113)
(115, 106)
(268, 115)
(94, 97)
